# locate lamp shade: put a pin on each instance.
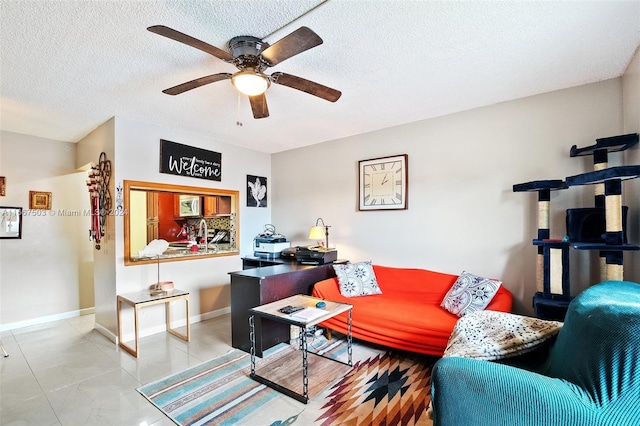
(316, 233)
(250, 83)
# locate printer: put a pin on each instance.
(316, 255)
(269, 247)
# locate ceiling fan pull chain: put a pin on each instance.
(238, 122)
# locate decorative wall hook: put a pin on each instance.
(100, 197)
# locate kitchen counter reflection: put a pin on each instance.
(174, 253)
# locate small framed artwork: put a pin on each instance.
(383, 183)
(3, 186)
(10, 222)
(256, 191)
(39, 200)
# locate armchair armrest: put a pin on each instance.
(473, 392)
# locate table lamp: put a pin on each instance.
(318, 232)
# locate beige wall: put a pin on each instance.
(462, 211)
(463, 214)
(631, 188)
(49, 271)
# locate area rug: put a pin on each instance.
(383, 388)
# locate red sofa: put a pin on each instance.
(407, 315)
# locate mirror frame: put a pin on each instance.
(129, 185)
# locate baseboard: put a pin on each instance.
(46, 318)
(214, 314)
(105, 331)
(161, 328)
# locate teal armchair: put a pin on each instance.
(591, 376)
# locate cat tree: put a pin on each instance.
(601, 228)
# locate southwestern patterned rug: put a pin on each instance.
(383, 388)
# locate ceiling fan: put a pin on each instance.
(252, 56)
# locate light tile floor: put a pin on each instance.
(65, 373)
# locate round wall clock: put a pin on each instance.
(383, 183)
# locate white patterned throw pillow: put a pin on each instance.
(470, 293)
(357, 279)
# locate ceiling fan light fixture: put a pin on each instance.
(250, 83)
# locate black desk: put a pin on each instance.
(249, 262)
(254, 287)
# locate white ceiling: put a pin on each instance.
(68, 66)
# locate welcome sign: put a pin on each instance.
(185, 160)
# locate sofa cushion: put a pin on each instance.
(470, 293)
(357, 279)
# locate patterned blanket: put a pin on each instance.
(490, 335)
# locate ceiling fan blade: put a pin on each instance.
(190, 41)
(290, 45)
(305, 85)
(259, 106)
(181, 88)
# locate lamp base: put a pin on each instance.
(162, 287)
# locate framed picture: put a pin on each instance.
(383, 183)
(256, 191)
(3, 186)
(39, 200)
(10, 222)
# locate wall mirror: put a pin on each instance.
(10, 222)
(197, 222)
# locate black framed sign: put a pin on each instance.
(185, 160)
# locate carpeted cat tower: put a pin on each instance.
(601, 228)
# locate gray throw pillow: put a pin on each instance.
(357, 279)
(470, 293)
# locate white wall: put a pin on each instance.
(89, 149)
(631, 188)
(48, 272)
(137, 150)
(463, 214)
(68, 266)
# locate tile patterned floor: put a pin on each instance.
(65, 373)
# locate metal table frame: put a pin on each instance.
(303, 327)
(142, 299)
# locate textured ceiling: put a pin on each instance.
(68, 66)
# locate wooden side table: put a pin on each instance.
(141, 299)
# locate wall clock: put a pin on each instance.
(383, 183)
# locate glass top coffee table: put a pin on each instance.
(285, 375)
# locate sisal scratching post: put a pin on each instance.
(544, 205)
(600, 162)
(603, 267)
(614, 232)
(552, 272)
(540, 272)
